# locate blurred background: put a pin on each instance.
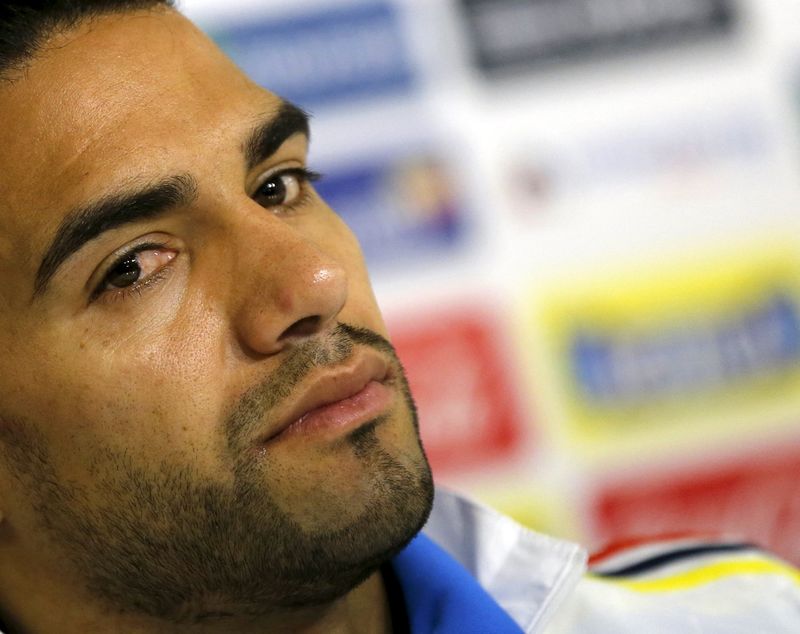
(582, 219)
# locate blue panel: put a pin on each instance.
(618, 368)
(399, 207)
(324, 56)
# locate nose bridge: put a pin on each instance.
(290, 287)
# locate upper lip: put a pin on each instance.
(330, 386)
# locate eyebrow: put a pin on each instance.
(268, 137)
(121, 208)
(90, 221)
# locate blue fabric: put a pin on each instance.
(442, 597)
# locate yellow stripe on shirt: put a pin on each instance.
(708, 574)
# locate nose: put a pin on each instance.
(295, 289)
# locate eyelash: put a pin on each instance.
(304, 176)
(139, 286)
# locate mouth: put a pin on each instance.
(337, 401)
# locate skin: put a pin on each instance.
(148, 380)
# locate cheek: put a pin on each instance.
(153, 396)
(174, 382)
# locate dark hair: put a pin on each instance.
(26, 26)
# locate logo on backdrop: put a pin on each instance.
(681, 350)
(514, 35)
(330, 55)
(755, 498)
(751, 343)
(470, 417)
(669, 153)
(399, 207)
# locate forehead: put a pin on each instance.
(120, 98)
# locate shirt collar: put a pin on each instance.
(526, 573)
(441, 596)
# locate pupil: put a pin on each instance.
(274, 191)
(125, 273)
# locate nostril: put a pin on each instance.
(302, 327)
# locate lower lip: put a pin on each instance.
(341, 416)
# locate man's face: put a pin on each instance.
(172, 294)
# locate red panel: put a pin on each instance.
(469, 414)
(757, 499)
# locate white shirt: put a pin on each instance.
(544, 584)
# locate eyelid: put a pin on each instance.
(302, 171)
(151, 241)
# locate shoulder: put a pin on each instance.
(683, 584)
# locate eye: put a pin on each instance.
(284, 188)
(136, 268)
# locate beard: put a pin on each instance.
(174, 545)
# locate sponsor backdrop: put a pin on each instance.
(582, 218)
